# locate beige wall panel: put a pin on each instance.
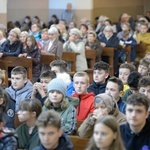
(3, 18)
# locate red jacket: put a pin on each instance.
(86, 105)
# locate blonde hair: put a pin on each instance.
(2, 76)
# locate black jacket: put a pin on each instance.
(11, 49)
(132, 141)
(64, 144)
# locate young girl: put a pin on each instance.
(32, 51)
(29, 110)
(57, 100)
(106, 135)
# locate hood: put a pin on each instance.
(65, 77)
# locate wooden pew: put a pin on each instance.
(109, 52)
(78, 142)
(91, 55)
(10, 62)
(71, 58)
(47, 59)
(140, 49)
(128, 50)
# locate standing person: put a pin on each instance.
(106, 135)
(12, 46)
(58, 101)
(50, 132)
(29, 110)
(136, 133)
(68, 15)
(21, 87)
(75, 44)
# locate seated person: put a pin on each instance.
(124, 70)
(55, 46)
(40, 88)
(114, 88)
(36, 31)
(100, 78)
(58, 101)
(86, 100)
(104, 105)
(144, 67)
(136, 130)
(49, 122)
(29, 110)
(93, 44)
(128, 40)
(106, 128)
(8, 139)
(132, 81)
(21, 88)
(60, 68)
(12, 46)
(75, 44)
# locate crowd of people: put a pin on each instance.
(114, 110)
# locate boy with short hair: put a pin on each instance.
(133, 80)
(50, 132)
(100, 78)
(86, 100)
(136, 133)
(114, 88)
(124, 70)
(40, 88)
(21, 88)
(144, 67)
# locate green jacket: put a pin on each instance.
(126, 94)
(26, 140)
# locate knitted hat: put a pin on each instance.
(17, 31)
(57, 84)
(76, 31)
(105, 99)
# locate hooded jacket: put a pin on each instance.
(20, 95)
(133, 141)
(64, 144)
(86, 105)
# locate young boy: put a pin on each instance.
(114, 88)
(21, 87)
(40, 88)
(136, 133)
(133, 80)
(100, 78)
(86, 100)
(60, 68)
(144, 67)
(29, 110)
(124, 70)
(50, 132)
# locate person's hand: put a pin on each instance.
(43, 52)
(40, 89)
(71, 39)
(1, 54)
(138, 42)
(87, 48)
(97, 113)
(103, 44)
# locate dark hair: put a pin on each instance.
(17, 24)
(48, 74)
(133, 79)
(49, 118)
(33, 42)
(144, 81)
(84, 25)
(31, 105)
(19, 70)
(144, 62)
(128, 66)
(101, 65)
(117, 81)
(138, 99)
(59, 63)
(5, 97)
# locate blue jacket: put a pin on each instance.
(64, 144)
(20, 95)
(11, 49)
(139, 141)
(121, 105)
